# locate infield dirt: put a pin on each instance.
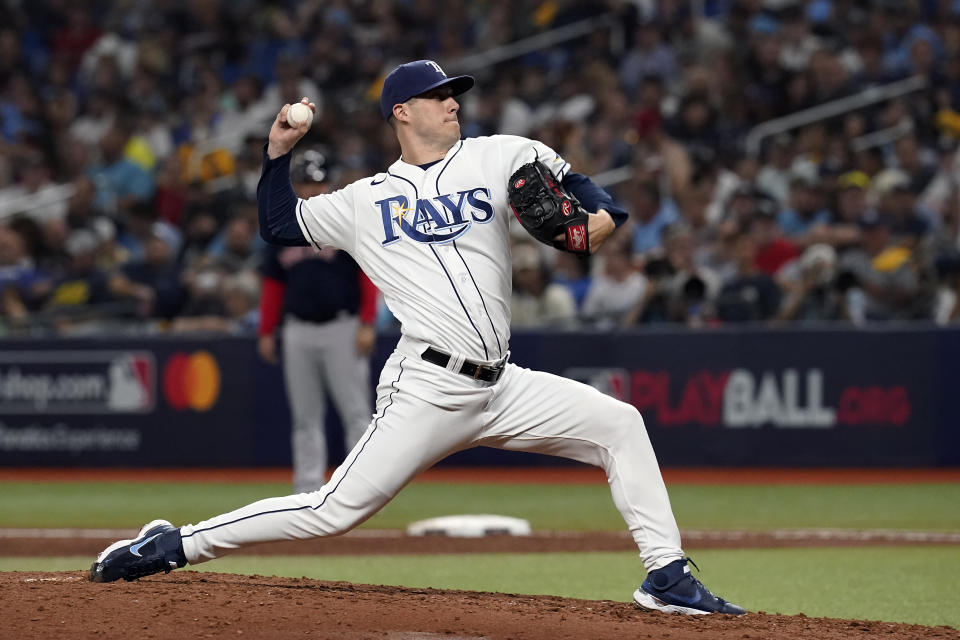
(199, 605)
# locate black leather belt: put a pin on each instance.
(469, 368)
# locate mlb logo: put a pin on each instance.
(131, 383)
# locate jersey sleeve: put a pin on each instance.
(330, 219)
(517, 151)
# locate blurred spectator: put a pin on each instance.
(82, 284)
(238, 250)
(774, 175)
(649, 57)
(203, 143)
(883, 271)
(119, 181)
(98, 116)
(529, 106)
(679, 289)
(200, 229)
(946, 307)
(291, 85)
(34, 192)
(171, 194)
(53, 257)
(157, 113)
(919, 164)
(799, 43)
(940, 195)
(154, 280)
(241, 294)
(140, 225)
(806, 210)
(810, 292)
(851, 197)
(649, 214)
(204, 283)
(751, 295)
(618, 289)
(573, 272)
(536, 301)
(220, 304)
(896, 203)
(81, 212)
(247, 114)
(696, 123)
(773, 250)
(18, 277)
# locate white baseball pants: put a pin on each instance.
(424, 413)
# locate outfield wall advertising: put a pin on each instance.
(778, 398)
(119, 403)
(718, 398)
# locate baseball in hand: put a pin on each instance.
(298, 113)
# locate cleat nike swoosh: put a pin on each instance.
(135, 549)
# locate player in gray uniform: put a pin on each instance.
(327, 306)
(432, 232)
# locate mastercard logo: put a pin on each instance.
(191, 381)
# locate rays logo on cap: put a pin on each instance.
(437, 67)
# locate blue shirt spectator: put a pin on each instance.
(805, 211)
(119, 181)
(650, 215)
(16, 270)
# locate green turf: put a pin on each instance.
(920, 506)
(897, 584)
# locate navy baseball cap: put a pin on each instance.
(412, 79)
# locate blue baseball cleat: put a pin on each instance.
(156, 548)
(673, 589)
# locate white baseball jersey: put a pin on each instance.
(436, 241)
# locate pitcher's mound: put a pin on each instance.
(198, 605)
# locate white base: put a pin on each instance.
(470, 526)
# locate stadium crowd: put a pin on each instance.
(131, 135)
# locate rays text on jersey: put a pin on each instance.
(434, 220)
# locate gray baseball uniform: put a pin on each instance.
(321, 359)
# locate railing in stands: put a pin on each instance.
(764, 130)
(475, 62)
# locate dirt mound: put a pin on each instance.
(199, 605)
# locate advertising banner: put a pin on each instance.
(708, 398)
(771, 397)
(128, 403)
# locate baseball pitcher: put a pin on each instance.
(432, 233)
